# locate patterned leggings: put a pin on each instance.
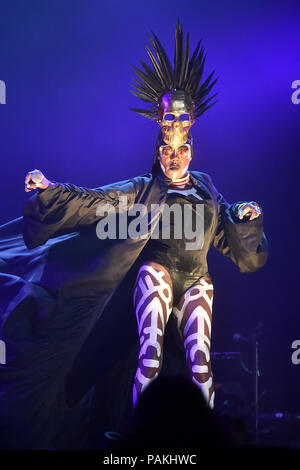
(153, 302)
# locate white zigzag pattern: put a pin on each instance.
(154, 309)
(202, 344)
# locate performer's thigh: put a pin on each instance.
(153, 280)
(195, 302)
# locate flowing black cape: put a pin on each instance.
(66, 315)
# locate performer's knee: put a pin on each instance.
(151, 366)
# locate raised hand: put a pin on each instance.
(251, 209)
(35, 179)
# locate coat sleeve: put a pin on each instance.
(65, 208)
(243, 241)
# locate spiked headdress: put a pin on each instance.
(153, 83)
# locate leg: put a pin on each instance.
(153, 302)
(194, 316)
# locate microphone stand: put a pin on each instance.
(255, 337)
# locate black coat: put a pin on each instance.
(66, 313)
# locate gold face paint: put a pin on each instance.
(182, 151)
(174, 163)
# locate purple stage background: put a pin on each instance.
(67, 69)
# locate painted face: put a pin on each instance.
(175, 116)
(175, 163)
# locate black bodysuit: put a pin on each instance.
(182, 264)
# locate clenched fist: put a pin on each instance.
(35, 179)
(251, 209)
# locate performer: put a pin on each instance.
(59, 279)
(172, 278)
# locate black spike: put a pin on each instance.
(165, 59)
(195, 72)
(143, 96)
(178, 54)
(151, 73)
(203, 107)
(153, 82)
(185, 62)
(148, 86)
(156, 66)
(205, 88)
(160, 59)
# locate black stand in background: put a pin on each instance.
(257, 332)
(252, 343)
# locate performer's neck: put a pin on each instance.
(184, 179)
